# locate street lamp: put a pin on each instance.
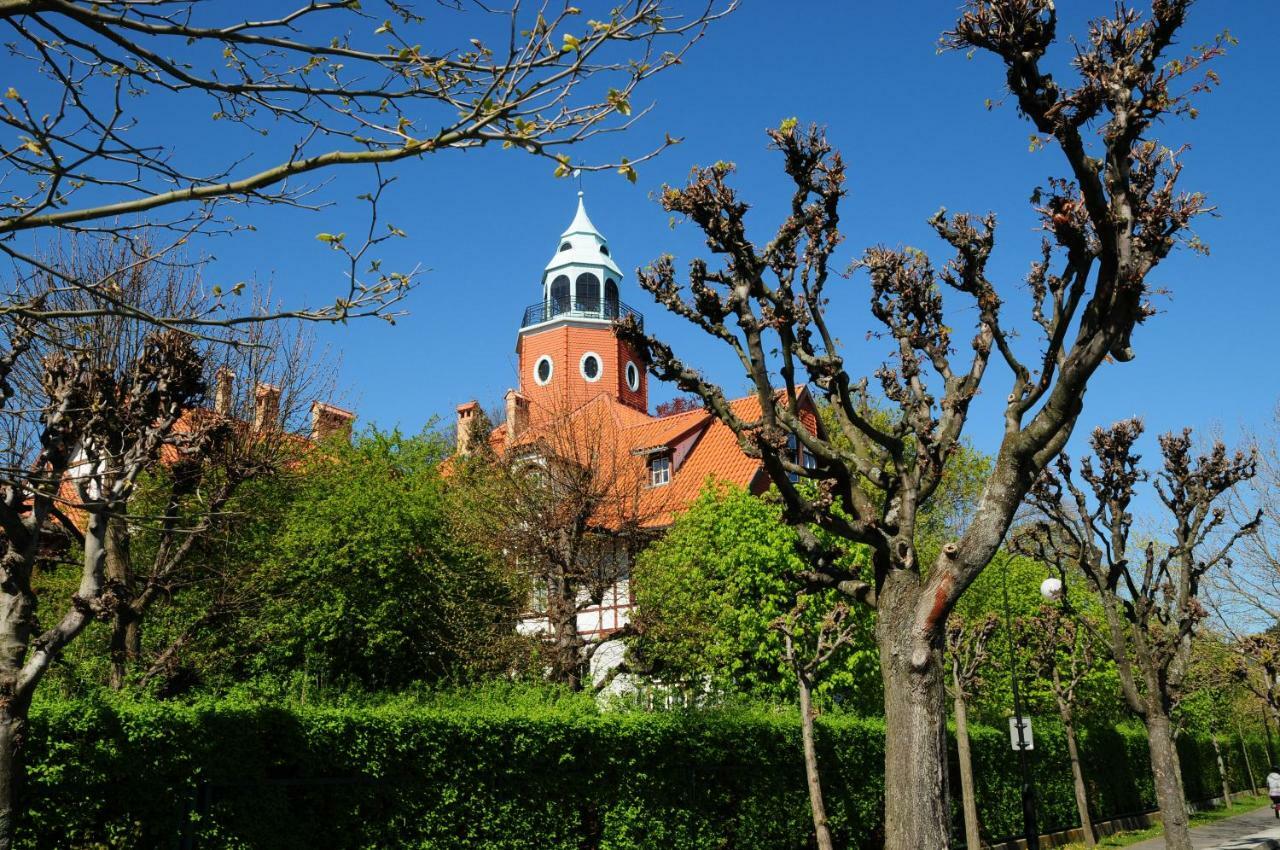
(1050, 589)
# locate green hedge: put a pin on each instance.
(499, 776)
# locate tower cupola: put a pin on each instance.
(581, 279)
(568, 348)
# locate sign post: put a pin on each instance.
(1020, 734)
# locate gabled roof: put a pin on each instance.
(701, 447)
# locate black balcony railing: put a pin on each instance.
(545, 311)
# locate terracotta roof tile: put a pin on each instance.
(630, 436)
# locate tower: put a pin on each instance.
(567, 348)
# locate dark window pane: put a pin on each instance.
(611, 299)
(560, 295)
(544, 370)
(565, 246)
(588, 293)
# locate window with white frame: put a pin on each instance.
(659, 471)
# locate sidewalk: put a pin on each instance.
(1258, 829)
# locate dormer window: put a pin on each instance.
(565, 246)
(800, 454)
(660, 471)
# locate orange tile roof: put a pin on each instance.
(706, 447)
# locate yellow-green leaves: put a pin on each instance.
(618, 100)
(627, 170)
(570, 43)
(787, 126)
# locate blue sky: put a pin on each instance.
(916, 136)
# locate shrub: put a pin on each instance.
(504, 773)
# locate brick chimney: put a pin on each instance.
(327, 420)
(466, 418)
(266, 407)
(517, 414)
(224, 391)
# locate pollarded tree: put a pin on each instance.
(93, 427)
(1149, 594)
(1064, 654)
(807, 649)
(95, 88)
(967, 650)
(1110, 222)
(249, 423)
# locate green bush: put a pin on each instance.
(501, 774)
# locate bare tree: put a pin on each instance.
(1110, 223)
(1246, 598)
(806, 654)
(566, 505)
(233, 434)
(321, 85)
(98, 427)
(255, 431)
(967, 650)
(1064, 652)
(1150, 595)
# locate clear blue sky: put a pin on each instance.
(916, 136)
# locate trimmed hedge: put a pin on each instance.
(160, 775)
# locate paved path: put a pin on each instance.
(1256, 829)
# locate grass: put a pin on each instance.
(1124, 839)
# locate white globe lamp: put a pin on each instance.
(1051, 588)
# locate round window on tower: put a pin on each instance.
(590, 366)
(633, 377)
(542, 370)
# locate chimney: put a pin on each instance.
(517, 414)
(224, 389)
(466, 417)
(327, 420)
(266, 408)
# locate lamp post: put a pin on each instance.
(1031, 830)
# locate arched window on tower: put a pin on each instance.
(560, 295)
(611, 299)
(588, 299)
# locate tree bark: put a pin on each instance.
(1222, 772)
(916, 806)
(1077, 774)
(1167, 773)
(125, 641)
(968, 793)
(820, 829)
(1248, 762)
(13, 723)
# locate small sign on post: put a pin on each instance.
(1028, 743)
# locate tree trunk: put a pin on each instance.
(968, 794)
(125, 642)
(811, 766)
(1077, 774)
(1248, 762)
(1167, 773)
(1222, 772)
(13, 723)
(562, 616)
(916, 807)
